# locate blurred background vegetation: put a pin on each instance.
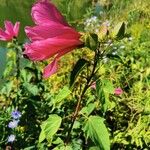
(128, 120)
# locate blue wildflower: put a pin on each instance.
(16, 114)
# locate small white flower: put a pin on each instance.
(11, 138)
(13, 124)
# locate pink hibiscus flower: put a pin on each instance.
(51, 36)
(10, 31)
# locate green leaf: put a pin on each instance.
(115, 57)
(63, 93)
(7, 88)
(88, 109)
(81, 63)
(108, 86)
(94, 148)
(103, 89)
(101, 96)
(96, 130)
(119, 30)
(58, 141)
(29, 148)
(42, 136)
(67, 147)
(26, 76)
(51, 126)
(33, 89)
(91, 41)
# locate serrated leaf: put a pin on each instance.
(81, 63)
(63, 93)
(52, 125)
(88, 109)
(119, 30)
(96, 130)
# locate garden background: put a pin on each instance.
(127, 66)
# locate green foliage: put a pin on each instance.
(96, 130)
(91, 41)
(104, 120)
(87, 110)
(119, 30)
(50, 127)
(63, 93)
(103, 90)
(79, 66)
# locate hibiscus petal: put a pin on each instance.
(65, 51)
(43, 12)
(50, 30)
(3, 36)
(50, 69)
(16, 28)
(33, 55)
(9, 28)
(41, 50)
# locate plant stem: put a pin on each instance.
(77, 109)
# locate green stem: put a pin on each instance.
(77, 109)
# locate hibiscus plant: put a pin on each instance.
(75, 116)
